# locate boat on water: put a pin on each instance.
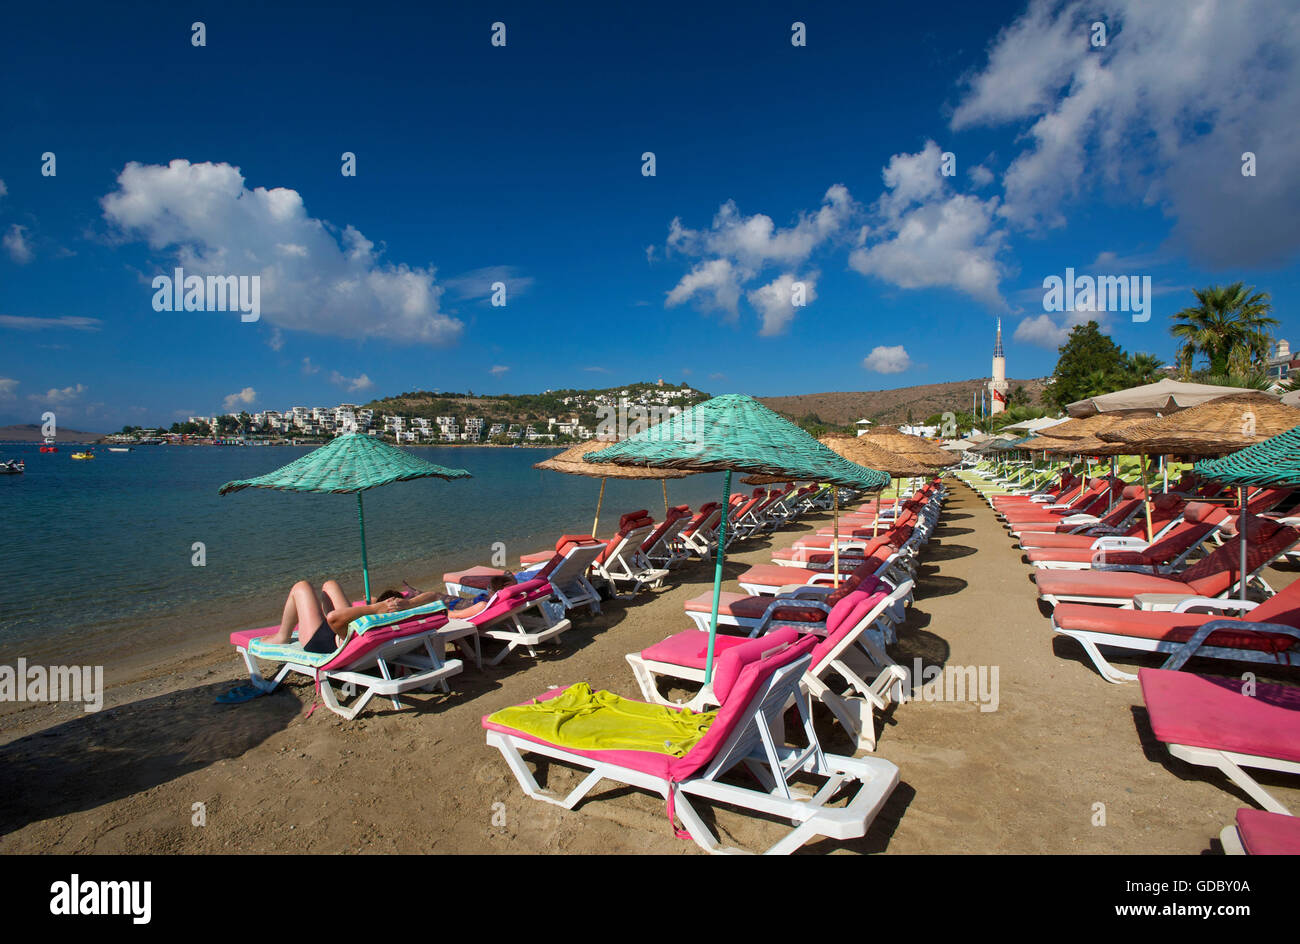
(119, 448)
(13, 467)
(83, 455)
(49, 446)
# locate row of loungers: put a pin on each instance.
(781, 643)
(1110, 588)
(407, 651)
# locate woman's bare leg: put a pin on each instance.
(301, 608)
(335, 598)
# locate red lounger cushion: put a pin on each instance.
(1264, 833)
(1171, 627)
(1213, 713)
(1104, 584)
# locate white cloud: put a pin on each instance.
(930, 237)
(735, 250)
(980, 176)
(887, 360)
(60, 396)
(1163, 112)
(1044, 331)
(276, 341)
(947, 244)
(7, 384)
(15, 243)
(23, 323)
(244, 397)
(498, 370)
(774, 302)
(3, 189)
(314, 277)
(477, 284)
(715, 284)
(353, 384)
(309, 368)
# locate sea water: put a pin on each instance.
(93, 550)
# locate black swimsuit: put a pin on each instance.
(323, 640)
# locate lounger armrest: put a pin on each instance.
(1214, 604)
(1123, 568)
(790, 588)
(765, 623)
(1291, 521)
(804, 592)
(1180, 656)
(1119, 543)
(1081, 519)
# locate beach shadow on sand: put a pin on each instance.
(101, 757)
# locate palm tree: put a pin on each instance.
(1230, 324)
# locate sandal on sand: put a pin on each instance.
(239, 694)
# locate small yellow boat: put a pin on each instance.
(83, 455)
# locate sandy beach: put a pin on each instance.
(264, 777)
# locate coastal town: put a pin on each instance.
(573, 416)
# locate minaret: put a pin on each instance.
(998, 385)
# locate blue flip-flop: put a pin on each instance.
(239, 694)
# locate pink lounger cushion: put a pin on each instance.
(1264, 833)
(1212, 713)
(738, 676)
(690, 648)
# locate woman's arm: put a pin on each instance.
(340, 618)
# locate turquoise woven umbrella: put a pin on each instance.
(735, 433)
(350, 463)
(1274, 462)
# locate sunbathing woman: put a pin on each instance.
(303, 608)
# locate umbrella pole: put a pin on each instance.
(1146, 497)
(717, 578)
(600, 499)
(664, 483)
(365, 566)
(875, 525)
(836, 514)
(1241, 497)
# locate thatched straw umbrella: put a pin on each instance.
(570, 462)
(1220, 426)
(920, 450)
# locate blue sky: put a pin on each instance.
(775, 165)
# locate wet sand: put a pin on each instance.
(1024, 778)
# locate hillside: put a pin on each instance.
(891, 406)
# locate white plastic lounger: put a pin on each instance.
(407, 656)
(755, 682)
(853, 648)
(623, 563)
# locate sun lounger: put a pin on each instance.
(1215, 575)
(622, 562)
(407, 655)
(851, 646)
(516, 616)
(1259, 832)
(755, 683)
(1199, 522)
(663, 548)
(1165, 510)
(699, 536)
(1185, 632)
(1207, 722)
(771, 579)
(566, 571)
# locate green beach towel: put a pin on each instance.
(602, 721)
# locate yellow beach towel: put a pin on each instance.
(602, 721)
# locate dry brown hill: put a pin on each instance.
(891, 406)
